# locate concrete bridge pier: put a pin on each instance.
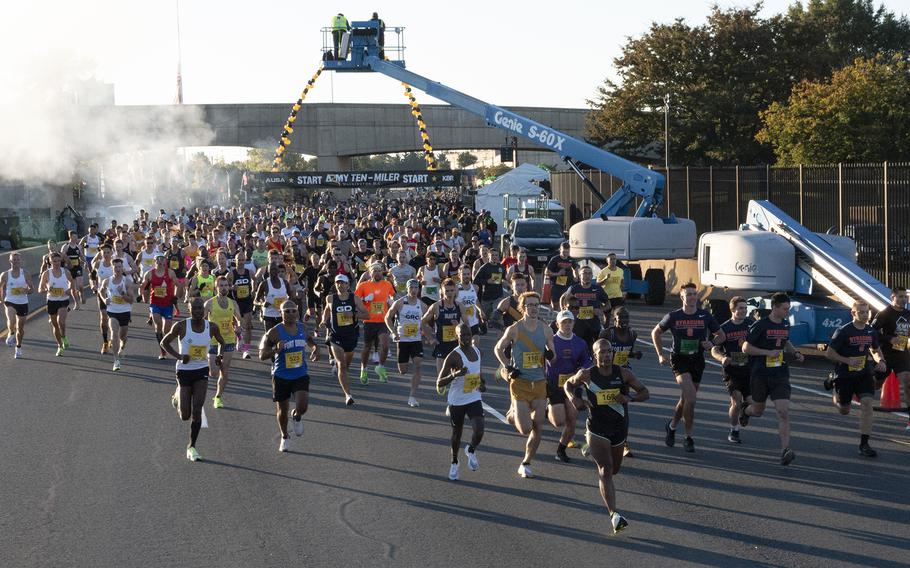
(334, 163)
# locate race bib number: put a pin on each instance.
(469, 311)
(496, 278)
(345, 318)
(74, 262)
(471, 382)
(147, 262)
(298, 268)
(377, 308)
(320, 242)
(688, 346)
(198, 352)
(586, 312)
(901, 343)
(775, 361)
(410, 329)
(117, 300)
(400, 287)
(280, 301)
(431, 291)
(563, 377)
(857, 364)
(531, 360)
(293, 360)
(448, 333)
(621, 358)
(17, 291)
(56, 291)
(607, 396)
(175, 264)
(159, 291)
(92, 251)
(562, 280)
(740, 359)
(243, 291)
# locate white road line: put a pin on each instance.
(495, 413)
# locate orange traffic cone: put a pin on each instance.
(545, 295)
(891, 394)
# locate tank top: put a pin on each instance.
(127, 268)
(602, 391)
(452, 271)
(92, 245)
(104, 272)
(512, 315)
(527, 352)
(147, 261)
(224, 319)
(430, 288)
(344, 315)
(445, 323)
(206, 285)
(196, 345)
(242, 286)
(15, 287)
(621, 349)
(289, 362)
(468, 299)
(409, 317)
(275, 297)
(464, 390)
(117, 296)
(162, 289)
(72, 255)
(57, 286)
(175, 262)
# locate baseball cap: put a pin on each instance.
(342, 278)
(564, 315)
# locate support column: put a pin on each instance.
(333, 163)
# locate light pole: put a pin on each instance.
(667, 134)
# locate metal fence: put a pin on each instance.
(868, 202)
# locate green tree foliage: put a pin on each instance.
(722, 73)
(466, 160)
(862, 113)
(405, 161)
(484, 172)
(260, 160)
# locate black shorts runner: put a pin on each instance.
(408, 350)
(21, 309)
(372, 331)
(76, 271)
(471, 410)
(282, 389)
(738, 379)
(123, 318)
(246, 307)
(775, 387)
(347, 341)
(692, 364)
(442, 350)
(555, 395)
(858, 384)
(187, 378)
(614, 433)
(54, 306)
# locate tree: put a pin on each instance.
(260, 160)
(466, 159)
(862, 113)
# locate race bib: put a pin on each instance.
(159, 291)
(775, 361)
(901, 343)
(531, 360)
(175, 264)
(148, 262)
(688, 346)
(471, 382)
(563, 377)
(293, 360)
(410, 329)
(496, 278)
(320, 242)
(279, 301)
(242, 291)
(448, 333)
(198, 352)
(740, 359)
(377, 308)
(400, 287)
(56, 291)
(586, 312)
(857, 364)
(117, 299)
(431, 291)
(345, 318)
(607, 396)
(92, 251)
(620, 358)
(562, 280)
(469, 311)
(298, 268)
(74, 262)
(17, 291)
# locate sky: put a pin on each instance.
(530, 53)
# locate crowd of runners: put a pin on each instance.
(425, 275)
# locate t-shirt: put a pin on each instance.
(611, 280)
(558, 263)
(589, 299)
(489, 279)
(848, 341)
(377, 296)
(765, 334)
(732, 347)
(689, 330)
(570, 356)
(893, 322)
(401, 273)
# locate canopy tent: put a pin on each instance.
(517, 185)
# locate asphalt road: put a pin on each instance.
(93, 473)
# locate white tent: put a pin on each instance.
(517, 185)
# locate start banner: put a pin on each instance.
(417, 178)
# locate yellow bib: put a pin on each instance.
(471, 382)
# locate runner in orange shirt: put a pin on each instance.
(377, 294)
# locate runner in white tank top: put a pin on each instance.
(57, 284)
(15, 287)
(408, 334)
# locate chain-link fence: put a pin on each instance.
(868, 202)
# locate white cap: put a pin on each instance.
(342, 278)
(564, 315)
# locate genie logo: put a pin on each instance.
(748, 268)
(538, 133)
(508, 123)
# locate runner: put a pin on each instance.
(407, 334)
(607, 400)
(531, 341)
(768, 340)
(623, 339)
(202, 283)
(15, 286)
(561, 272)
(193, 336)
(439, 323)
(341, 318)
(430, 277)
(690, 327)
(401, 273)
(736, 363)
(850, 348)
(376, 294)
(522, 266)
(119, 293)
(593, 306)
(159, 288)
(893, 327)
(58, 285)
(488, 279)
(612, 279)
(241, 281)
(507, 309)
(283, 345)
(72, 250)
(468, 299)
(572, 354)
(271, 295)
(224, 312)
(461, 374)
(91, 245)
(102, 269)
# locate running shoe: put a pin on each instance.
(10, 340)
(217, 402)
(573, 444)
(192, 454)
(246, 354)
(743, 417)
(60, 351)
(364, 377)
(689, 445)
(453, 472)
(787, 456)
(473, 464)
(627, 451)
(412, 402)
(865, 450)
(66, 342)
(561, 456)
(670, 438)
(448, 411)
(383, 373)
(298, 426)
(829, 382)
(18, 354)
(733, 437)
(619, 522)
(104, 347)
(585, 450)
(349, 400)
(174, 401)
(524, 470)
(116, 366)
(285, 445)
(162, 356)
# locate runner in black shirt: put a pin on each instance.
(850, 348)
(893, 327)
(489, 282)
(691, 327)
(766, 343)
(561, 272)
(735, 362)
